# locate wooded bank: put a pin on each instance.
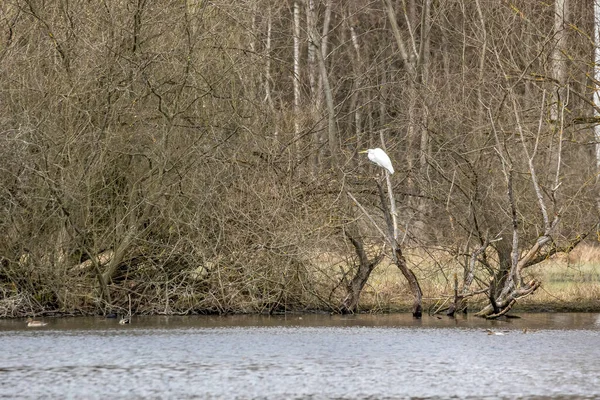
(202, 156)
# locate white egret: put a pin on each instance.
(379, 157)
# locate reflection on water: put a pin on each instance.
(298, 357)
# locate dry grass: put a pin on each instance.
(569, 283)
(387, 289)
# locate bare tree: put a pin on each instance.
(178, 155)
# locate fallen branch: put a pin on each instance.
(103, 259)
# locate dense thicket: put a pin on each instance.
(196, 156)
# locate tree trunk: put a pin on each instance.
(422, 115)
(503, 251)
(311, 67)
(331, 122)
(558, 56)
(597, 96)
(398, 256)
(413, 282)
(296, 77)
(481, 115)
(365, 267)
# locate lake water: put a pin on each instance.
(303, 357)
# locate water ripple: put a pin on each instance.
(299, 362)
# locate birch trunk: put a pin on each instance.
(296, 77)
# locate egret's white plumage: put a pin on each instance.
(379, 157)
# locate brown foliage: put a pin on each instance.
(164, 133)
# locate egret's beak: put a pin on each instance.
(364, 151)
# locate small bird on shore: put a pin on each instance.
(491, 332)
(35, 324)
(125, 320)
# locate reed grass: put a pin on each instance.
(569, 282)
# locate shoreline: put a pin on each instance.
(528, 307)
